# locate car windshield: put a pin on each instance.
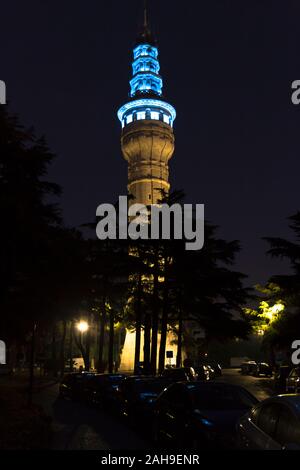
(115, 378)
(108, 380)
(175, 374)
(221, 398)
(154, 387)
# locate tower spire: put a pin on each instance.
(145, 35)
(145, 16)
(146, 24)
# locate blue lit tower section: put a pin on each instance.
(147, 139)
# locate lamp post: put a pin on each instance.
(83, 326)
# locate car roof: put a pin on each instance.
(109, 375)
(141, 378)
(290, 399)
(209, 385)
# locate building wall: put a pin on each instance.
(127, 357)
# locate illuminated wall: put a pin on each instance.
(127, 357)
(2, 352)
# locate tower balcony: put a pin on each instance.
(147, 109)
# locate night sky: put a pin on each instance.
(227, 68)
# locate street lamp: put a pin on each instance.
(82, 326)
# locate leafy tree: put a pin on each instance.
(282, 331)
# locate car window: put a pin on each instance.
(176, 395)
(288, 428)
(268, 418)
(244, 399)
(154, 386)
(220, 397)
(178, 374)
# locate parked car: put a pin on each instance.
(178, 374)
(248, 368)
(211, 371)
(199, 414)
(101, 390)
(136, 396)
(262, 368)
(73, 385)
(293, 381)
(274, 424)
(280, 378)
(217, 368)
(203, 373)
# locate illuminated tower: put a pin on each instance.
(147, 139)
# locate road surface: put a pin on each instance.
(260, 387)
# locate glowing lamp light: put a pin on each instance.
(82, 326)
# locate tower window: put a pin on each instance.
(141, 115)
(154, 115)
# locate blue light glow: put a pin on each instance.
(145, 50)
(145, 70)
(144, 85)
(145, 81)
(153, 110)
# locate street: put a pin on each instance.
(80, 427)
(260, 387)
